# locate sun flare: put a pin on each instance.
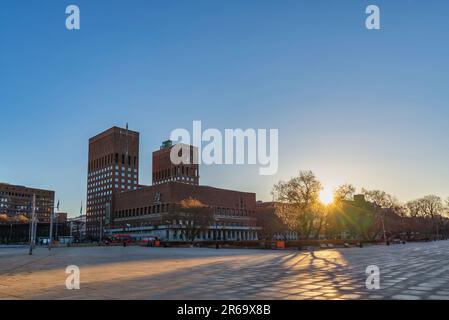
(326, 196)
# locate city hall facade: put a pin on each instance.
(117, 203)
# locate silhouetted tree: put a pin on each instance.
(344, 192)
(383, 203)
(297, 204)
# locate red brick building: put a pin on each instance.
(113, 166)
(61, 217)
(17, 201)
(150, 210)
(116, 203)
(164, 170)
(272, 226)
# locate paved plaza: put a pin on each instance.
(411, 271)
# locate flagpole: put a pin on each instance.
(30, 228)
(52, 216)
(81, 213)
(51, 229)
(57, 223)
(32, 223)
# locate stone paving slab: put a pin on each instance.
(413, 271)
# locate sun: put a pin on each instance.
(326, 196)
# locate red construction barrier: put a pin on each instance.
(280, 244)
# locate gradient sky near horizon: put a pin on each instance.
(353, 105)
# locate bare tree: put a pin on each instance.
(194, 217)
(270, 223)
(433, 209)
(297, 203)
(432, 205)
(4, 218)
(344, 192)
(446, 202)
(414, 208)
(22, 218)
(383, 203)
(428, 211)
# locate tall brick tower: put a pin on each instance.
(165, 171)
(113, 166)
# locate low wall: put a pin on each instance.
(260, 244)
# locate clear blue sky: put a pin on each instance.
(359, 106)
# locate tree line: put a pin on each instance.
(368, 215)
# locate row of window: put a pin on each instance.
(24, 206)
(13, 197)
(175, 171)
(107, 184)
(22, 195)
(99, 171)
(187, 180)
(219, 224)
(219, 235)
(113, 159)
(107, 172)
(135, 212)
(233, 212)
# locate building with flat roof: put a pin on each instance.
(17, 201)
(153, 210)
(272, 226)
(113, 166)
(164, 170)
(77, 227)
(116, 203)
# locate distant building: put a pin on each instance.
(61, 217)
(113, 166)
(272, 226)
(17, 201)
(77, 226)
(352, 219)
